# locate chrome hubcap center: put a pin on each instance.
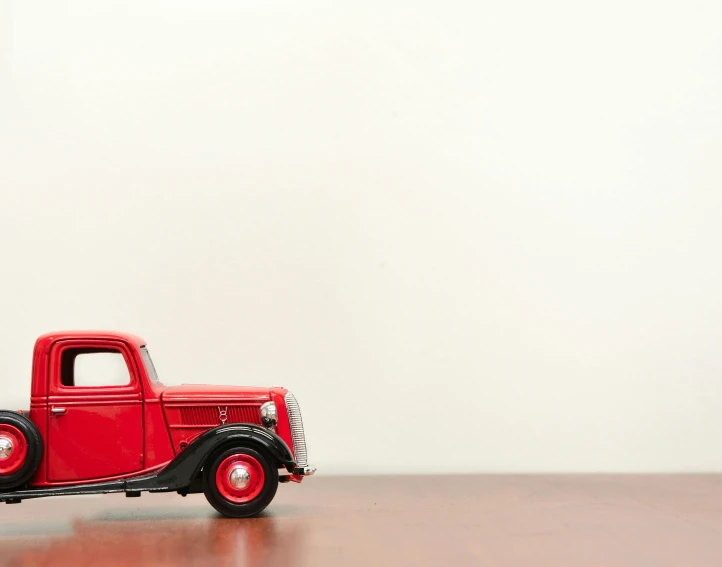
(239, 477)
(6, 448)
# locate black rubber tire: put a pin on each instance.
(34, 452)
(247, 509)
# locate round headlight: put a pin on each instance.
(269, 414)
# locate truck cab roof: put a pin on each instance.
(45, 341)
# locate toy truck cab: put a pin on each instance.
(101, 421)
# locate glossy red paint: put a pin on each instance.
(99, 431)
(19, 449)
(44, 343)
(111, 432)
(187, 421)
(255, 481)
(191, 409)
(202, 392)
(39, 416)
(158, 449)
(132, 410)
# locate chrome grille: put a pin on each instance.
(297, 435)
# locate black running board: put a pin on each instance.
(100, 488)
(131, 486)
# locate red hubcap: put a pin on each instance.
(13, 449)
(240, 478)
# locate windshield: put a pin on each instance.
(149, 368)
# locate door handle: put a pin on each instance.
(57, 411)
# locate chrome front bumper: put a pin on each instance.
(304, 471)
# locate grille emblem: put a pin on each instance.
(223, 414)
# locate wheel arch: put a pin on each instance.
(187, 465)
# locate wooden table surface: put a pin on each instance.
(445, 520)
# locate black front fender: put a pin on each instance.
(182, 470)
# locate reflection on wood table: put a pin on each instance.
(421, 520)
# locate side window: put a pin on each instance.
(87, 367)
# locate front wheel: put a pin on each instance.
(240, 482)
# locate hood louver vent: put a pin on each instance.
(208, 416)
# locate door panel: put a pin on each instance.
(95, 411)
(94, 440)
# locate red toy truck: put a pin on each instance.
(92, 430)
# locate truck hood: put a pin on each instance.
(204, 392)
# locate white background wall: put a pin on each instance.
(469, 236)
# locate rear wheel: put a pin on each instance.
(21, 449)
(240, 482)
